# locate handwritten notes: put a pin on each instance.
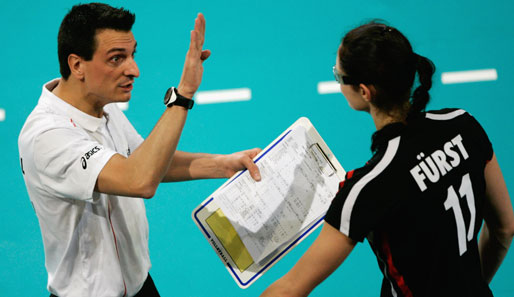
(296, 189)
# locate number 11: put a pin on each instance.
(452, 201)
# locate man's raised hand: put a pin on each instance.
(193, 68)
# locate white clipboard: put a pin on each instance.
(221, 234)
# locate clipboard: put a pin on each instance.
(223, 237)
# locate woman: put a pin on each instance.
(421, 198)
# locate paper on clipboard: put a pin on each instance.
(252, 225)
(293, 192)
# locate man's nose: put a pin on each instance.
(132, 70)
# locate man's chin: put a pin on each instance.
(125, 97)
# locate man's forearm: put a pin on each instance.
(156, 153)
(189, 166)
(140, 174)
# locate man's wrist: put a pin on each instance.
(174, 98)
(184, 92)
(220, 166)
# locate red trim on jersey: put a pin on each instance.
(116, 244)
(71, 120)
(391, 269)
(349, 175)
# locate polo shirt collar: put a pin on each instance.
(79, 117)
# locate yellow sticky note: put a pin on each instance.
(228, 237)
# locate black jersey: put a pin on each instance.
(419, 202)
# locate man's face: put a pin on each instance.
(110, 74)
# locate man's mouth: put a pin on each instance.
(127, 87)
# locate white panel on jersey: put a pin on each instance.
(446, 116)
(391, 150)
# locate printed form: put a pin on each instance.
(296, 189)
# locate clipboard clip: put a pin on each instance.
(322, 159)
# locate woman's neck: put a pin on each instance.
(382, 118)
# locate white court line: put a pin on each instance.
(220, 96)
(328, 87)
(123, 105)
(469, 76)
(2, 114)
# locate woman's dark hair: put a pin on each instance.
(79, 27)
(382, 56)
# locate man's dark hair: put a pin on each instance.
(79, 27)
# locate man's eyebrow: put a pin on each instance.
(120, 49)
(116, 49)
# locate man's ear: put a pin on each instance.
(76, 65)
(367, 92)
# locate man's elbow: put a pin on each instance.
(145, 189)
(148, 193)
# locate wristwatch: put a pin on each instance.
(172, 97)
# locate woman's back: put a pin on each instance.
(419, 202)
(421, 199)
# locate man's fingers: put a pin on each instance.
(201, 24)
(197, 37)
(251, 166)
(193, 70)
(200, 29)
(192, 43)
(254, 152)
(254, 171)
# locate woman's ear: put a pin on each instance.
(367, 92)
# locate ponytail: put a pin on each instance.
(425, 69)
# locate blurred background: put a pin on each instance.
(281, 53)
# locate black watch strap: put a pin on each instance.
(172, 97)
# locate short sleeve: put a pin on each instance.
(68, 162)
(480, 138)
(361, 211)
(364, 201)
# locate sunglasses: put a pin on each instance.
(343, 79)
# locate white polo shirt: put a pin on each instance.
(95, 244)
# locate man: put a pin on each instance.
(82, 159)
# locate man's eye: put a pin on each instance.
(116, 59)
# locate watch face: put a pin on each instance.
(170, 96)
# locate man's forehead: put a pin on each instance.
(107, 39)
